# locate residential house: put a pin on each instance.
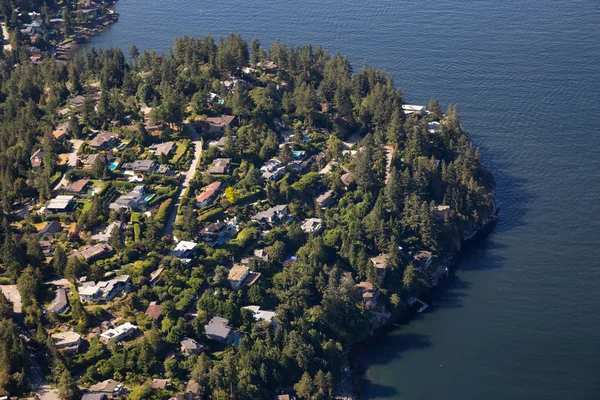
(37, 159)
(410, 109)
(283, 397)
(60, 304)
(159, 383)
(272, 216)
(136, 199)
(214, 232)
(93, 253)
(109, 388)
(184, 250)
(77, 101)
(190, 347)
(257, 254)
(95, 396)
(217, 125)
(220, 166)
(312, 225)
(93, 159)
(232, 82)
(155, 277)
(237, 275)
(50, 229)
(369, 294)
(192, 390)
(433, 127)
(154, 310)
(164, 149)
(60, 205)
(273, 170)
(381, 266)
(267, 65)
(218, 329)
(105, 235)
(60, 133)
(78, 187)
(261, 315)
(324, 200)
(66, 341)
(47, 248)
(348, 180)
(103, 291)
(103, 141)
(119, 333)
(422, 260)
(208, 194)
(139, 167)
(442, 212)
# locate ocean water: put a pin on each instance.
(521, 318)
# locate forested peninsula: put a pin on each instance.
(225, 221)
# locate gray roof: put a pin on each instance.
(60, 301)
(218, 327)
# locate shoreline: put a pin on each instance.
(353, 368)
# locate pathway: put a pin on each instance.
(6, 42)
(189, 175)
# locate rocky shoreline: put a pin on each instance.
(351, 385)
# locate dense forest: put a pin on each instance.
(405, 169)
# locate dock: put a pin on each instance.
(421, 304)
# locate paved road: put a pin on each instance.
(72, 162)
(189, 175)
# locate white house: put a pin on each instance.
(119, 333)
(410, 109)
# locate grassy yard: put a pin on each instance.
(182, 146)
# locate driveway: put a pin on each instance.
(72, 161)
(12, 293)
(189, 175)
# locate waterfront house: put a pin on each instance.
(217, 125)
(441, 212)
(272, 216)
(422, 260)
(103, 291)
(103, 141)
(410, 109)
(119, 333)
(369, 294)
(433, 127)
(208, 194)
(218, 329)
(220, 166)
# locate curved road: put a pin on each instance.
(189, 175)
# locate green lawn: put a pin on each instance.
(182, 146)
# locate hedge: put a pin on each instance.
(136, 233)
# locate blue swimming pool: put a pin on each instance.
(113, 165)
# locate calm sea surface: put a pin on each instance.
(521, 319)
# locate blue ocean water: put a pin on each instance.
(521, 319)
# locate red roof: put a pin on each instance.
(208, 192)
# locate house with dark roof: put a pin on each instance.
(94, 253)
(272, 216)
(50, 229)
(37, 159)
(218, 329)
(326, 199)
(78, 187)
(422, 260)
(103, 141)
(164, 149)
(217, 125)
(139, 167)
(60, 304)
(190, 347)
(220, 166)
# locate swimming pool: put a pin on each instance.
(113, 165)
